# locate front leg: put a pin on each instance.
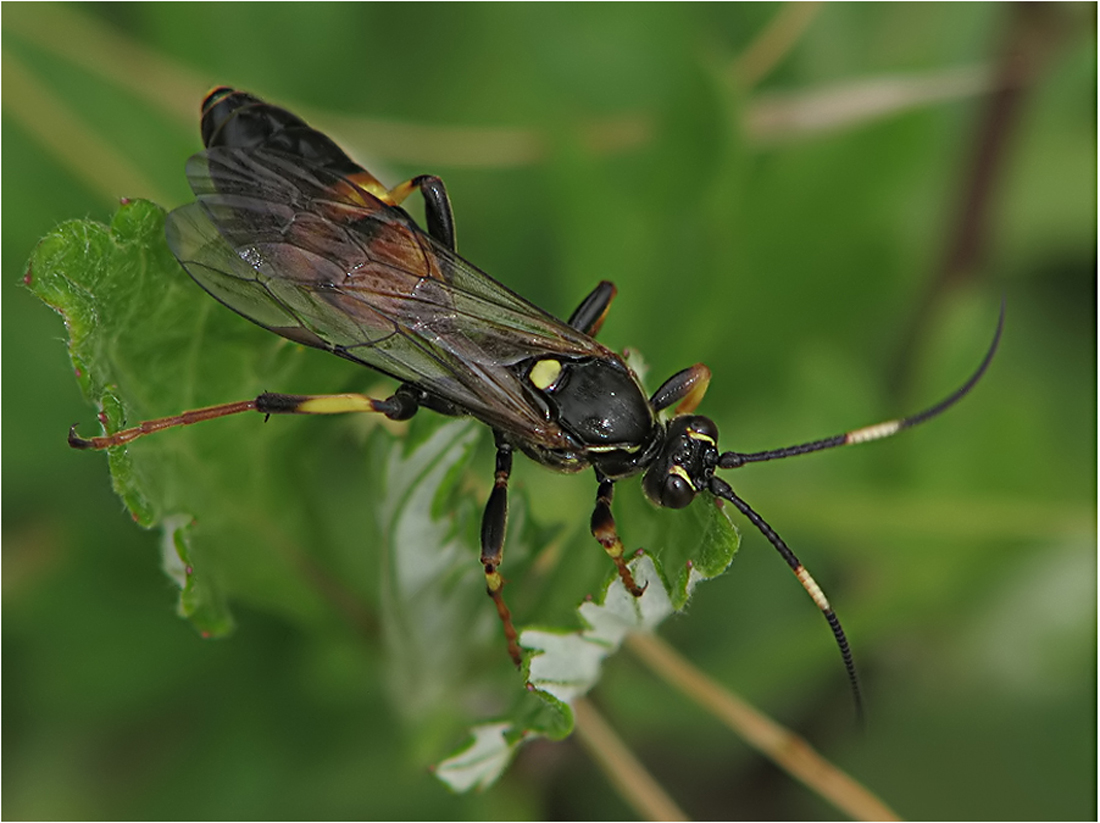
(494, 524)
(686, 387)
(603, 529)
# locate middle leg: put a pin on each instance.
(494, 524)
(603, 529)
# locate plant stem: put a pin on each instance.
(629, 777)
(780, 745)
(773, 43)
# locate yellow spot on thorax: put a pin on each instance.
(544, 374)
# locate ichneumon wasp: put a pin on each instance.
(292, 234)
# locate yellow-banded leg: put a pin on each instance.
(400, 406)
(603, 529)
(494, 524)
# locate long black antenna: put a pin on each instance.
(721, 488)
(731, 460)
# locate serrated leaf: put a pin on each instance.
(147, 342)
(432, 584)
(200, 601)
(566, 664)
(480, 763)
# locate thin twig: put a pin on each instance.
(782, 746)
(781, 116)
(629, 777)
(174, 89)
(71, 141)
(777, 39)
(1032, 33)
(104, 50)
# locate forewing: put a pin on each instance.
(307, 254)
(219, 269)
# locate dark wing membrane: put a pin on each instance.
(307, 254)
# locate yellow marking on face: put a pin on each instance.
(494, 581)
(336, 404)
(680, 471)
(876, 432)
(810, 585)
(616, 447)
(706, 438)
(544, 373)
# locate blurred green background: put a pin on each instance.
(825, 204)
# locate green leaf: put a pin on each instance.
(200, 602)
(146, 342)
(111, 284)
(340, 518)
(480, 763)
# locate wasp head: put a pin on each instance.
(685, 463)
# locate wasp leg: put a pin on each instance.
(437, 206)
(687, 386)
(493, 526)
(603, 529)
(590, 314)
(400, 406)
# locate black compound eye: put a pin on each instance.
(677, 492)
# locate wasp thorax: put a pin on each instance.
(598, 401)
(684, 464)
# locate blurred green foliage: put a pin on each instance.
(961, 556)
